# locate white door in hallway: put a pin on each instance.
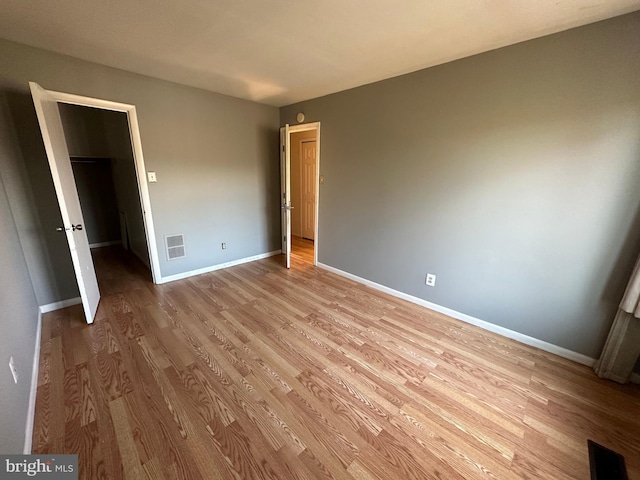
(308, 185)
(285, 192)
(65, 186)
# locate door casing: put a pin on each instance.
(136, 146)
(285, 146)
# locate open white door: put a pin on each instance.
(285, 192)
(65, 186)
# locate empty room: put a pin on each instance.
(337, 240)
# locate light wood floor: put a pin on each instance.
(257, 372)
(302, 249)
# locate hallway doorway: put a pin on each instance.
(300, 192)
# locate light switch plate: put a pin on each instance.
(152, 177)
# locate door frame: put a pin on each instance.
(304, 127)
(136, 146)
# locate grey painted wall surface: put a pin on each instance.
(33, 201)
(216, 158)
(18, 322)
(513, 175)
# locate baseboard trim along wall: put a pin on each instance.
(50, 307)
(505, 332)
(31, 409)
(200, 271)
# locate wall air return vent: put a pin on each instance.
(175, 246)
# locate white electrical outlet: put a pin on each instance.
(431, 280)
(152, 177)
(224, 246)
(14, 370)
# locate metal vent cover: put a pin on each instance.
(175, 246)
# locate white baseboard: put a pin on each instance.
(31, 409)
(635, 378)
(505, 332)
(200, 271)
(50, 307)
(105, 244)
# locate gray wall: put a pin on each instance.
(17, 300)
(513, 175)
(216, 158)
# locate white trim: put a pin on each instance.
(200, 271)
(304, 127)
(635, 378)
(50, 307)
(31, 409)
(136, 146)
(505, 332)
(105, 244)
(52, 131)
(285, 193)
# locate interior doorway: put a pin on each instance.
(103, 167)
(303, 194)
(47, 104)
(300, 191)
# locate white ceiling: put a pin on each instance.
(283, 51)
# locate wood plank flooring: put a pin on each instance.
(256, 372)
(302, 249)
